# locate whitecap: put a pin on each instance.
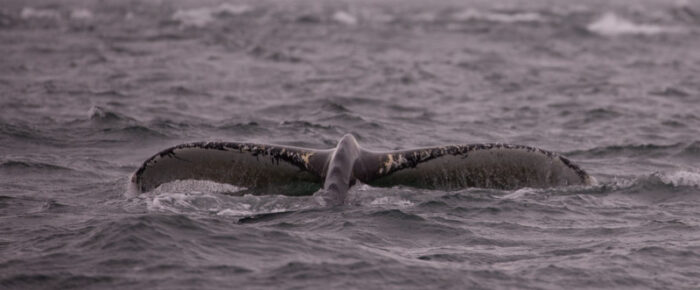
(200, 17)
(194, 17)
(611, 24)
(680, 178)
(471, 14)
(519, 193)
(188, 195)
(344, 18)
(81, 14)
(205, 198)
(231, 9)
(391, 201)
(234, 212)
(182, 186)
(376, 16)
(166, 202)
(29, 12)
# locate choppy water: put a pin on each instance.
(90, 90)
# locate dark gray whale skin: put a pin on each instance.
(286, 170)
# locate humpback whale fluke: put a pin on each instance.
(276, 169)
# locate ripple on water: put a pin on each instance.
(616, 88)
(16, 166)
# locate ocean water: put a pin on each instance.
(90, 89)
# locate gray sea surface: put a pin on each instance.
(91, 89)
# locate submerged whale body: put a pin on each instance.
(274, 169)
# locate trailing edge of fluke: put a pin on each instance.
(286, 170)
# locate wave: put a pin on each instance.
(139, 233)
(38, 13)
(57, 280)
(105, 125)
(621, 192)
(683, 10)
(680, 149)
(200, 17)
(676, 179)
(210, 198)
(395, 214)
(118, 134)
(344, 17)
(7, 20)
(611, 24)
(101, 114)
(501, 17)
(25, 132)
(658, 182)
(689, 150)
(16, 165)
(242, 126)
(75, 18)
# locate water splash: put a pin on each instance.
(681, 178)
(391, 201)
(196, 197)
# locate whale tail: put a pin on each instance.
(286, 170)
(259, 168)
(453, 167)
